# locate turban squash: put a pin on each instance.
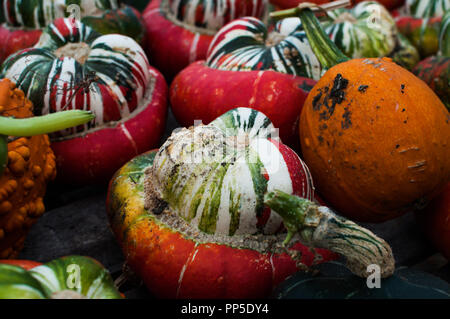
(74, 67)
(198, 218)
(248, 66)
(372, 152)
(57, 279)
(420, 22)
(25, 20)
(179, 32)
(27, 164)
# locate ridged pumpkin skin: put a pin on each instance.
(22, 29)
(179, 32)
(31, 164)
(379, 143)
(435, 220)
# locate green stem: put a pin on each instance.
(325, 50)
(37, 125)
(44, 124)
(318, 226)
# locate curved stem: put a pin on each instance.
(325, 50)
(318, 226)
(44, 124)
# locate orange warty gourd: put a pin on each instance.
(31, 164)
(375, 137)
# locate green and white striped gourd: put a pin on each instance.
(37, 14)
(245, 44)
(426, 8)
(78, 68)
(73, 276)
(215, 176)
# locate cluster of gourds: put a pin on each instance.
(225, 208)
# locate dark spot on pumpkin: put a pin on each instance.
(363, 88)
(337, 91)
(397, 146)
(402, 88)
(320, 138)
(405, 121)
(323, 127)
(335, 96)
(403, 110)
(347, 122)
(378, 107)
(315, 102)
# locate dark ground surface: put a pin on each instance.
(76, 224)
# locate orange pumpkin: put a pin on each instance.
(381, 145)
(375, 137)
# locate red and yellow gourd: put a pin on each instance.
(372, 152)
(435, 70)
(420, 21)
(203, 216)
(74, 67)
(27, 164)
(180, 32)
(70, 277)
(25, 20)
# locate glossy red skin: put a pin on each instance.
(436, 221)
(161, 255)
(13, 40)
(95, 157)
(286, 4)
(25, 264)
(203, 93)
(170, 46)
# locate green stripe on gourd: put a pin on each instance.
(17, 283)
(367, 30)
(210, 15)
(444, 36)
(426, 8)
(82, 277)
(213, 176)
(37, 14)
(245, 45)
(76, 67)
